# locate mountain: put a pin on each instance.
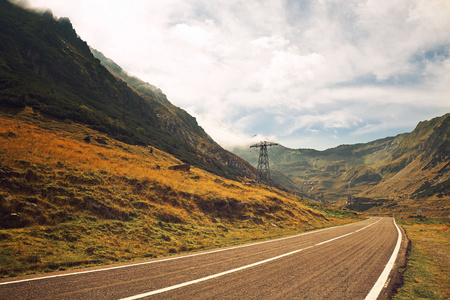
(46, 66)
(412, 166)
(90, 157)
(418, 167)
(67, 202)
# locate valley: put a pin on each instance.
(98, 167)
(403, 175)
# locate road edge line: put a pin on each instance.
(380, 283)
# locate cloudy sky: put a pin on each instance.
(304, 73)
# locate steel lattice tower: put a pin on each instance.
(263, 161)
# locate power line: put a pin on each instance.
(263, 162)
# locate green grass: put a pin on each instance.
(82, 242)
(427, 274)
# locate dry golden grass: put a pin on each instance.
(66, 202)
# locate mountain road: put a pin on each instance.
(345, 262)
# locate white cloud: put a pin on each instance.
(229, 138)
(192, 34)
(271, 43)
(309, 73)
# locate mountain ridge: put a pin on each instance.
(412, 165)
(45, 65)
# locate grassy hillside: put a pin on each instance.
(408, 166)
(329, 175)
(45, 65)
(418, 168)
(72, 196)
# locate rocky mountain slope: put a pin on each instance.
(46, 66)
(412, 165)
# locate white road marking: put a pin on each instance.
(381, 282)
(347, 234)
(173, 287)
(177, 286)
(172, 258)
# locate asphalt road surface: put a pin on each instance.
(343, 262)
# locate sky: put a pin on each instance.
(303, 73)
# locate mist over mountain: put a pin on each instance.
(177, 121)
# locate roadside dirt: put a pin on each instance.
(396, 276)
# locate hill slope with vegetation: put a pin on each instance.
(45, 65)
(72, 196)
(411, 166)
(89, 164)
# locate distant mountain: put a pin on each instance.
(408, 166)
(46, 66)
(418, 167)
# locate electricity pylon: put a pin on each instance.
(263, 161)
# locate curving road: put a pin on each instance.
(343, 262)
